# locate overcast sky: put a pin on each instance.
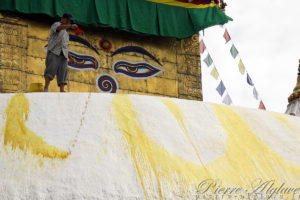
(267, 36)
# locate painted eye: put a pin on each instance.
(83, 62)
(132, 69)
(139, 70)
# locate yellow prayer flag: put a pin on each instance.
(241, 67)
(214, 73)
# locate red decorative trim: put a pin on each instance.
(198, 2)
(78, 31)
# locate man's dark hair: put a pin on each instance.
(67, 16)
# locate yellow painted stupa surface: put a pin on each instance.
(105, 146)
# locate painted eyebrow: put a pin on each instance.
(80, 40)
(137, 50)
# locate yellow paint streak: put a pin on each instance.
(19, 136)
(245, 159)
(175, 110)
(283, 119)
(150, 159)
(182, 4)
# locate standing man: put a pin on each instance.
(58, 52)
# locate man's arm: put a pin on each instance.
(66, 26)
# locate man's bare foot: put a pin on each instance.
(62, 88)
(45, 89)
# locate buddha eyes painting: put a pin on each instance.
(136, 70)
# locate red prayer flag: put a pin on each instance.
(262, 106)
(78, 31)
(202, 46)
(227, 36)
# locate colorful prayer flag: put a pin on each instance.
(208, 60)
(249, 80)
(242, 68)
(221, 88)
(226, 36)
(262, 106)
(234, 52)
(214, 73)
(227, 100)
(202, 47)
(255, 94)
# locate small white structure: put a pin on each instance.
(293, 107)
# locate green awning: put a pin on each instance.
(167, 18)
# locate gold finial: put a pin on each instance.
(222, 5)
(296, 92)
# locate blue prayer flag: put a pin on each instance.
(249, 80)
(227, 100)
(221, 88)
(255, 94)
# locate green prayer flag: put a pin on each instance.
(234, 52)
(214, 73)
(241, 67)
(208, 60)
